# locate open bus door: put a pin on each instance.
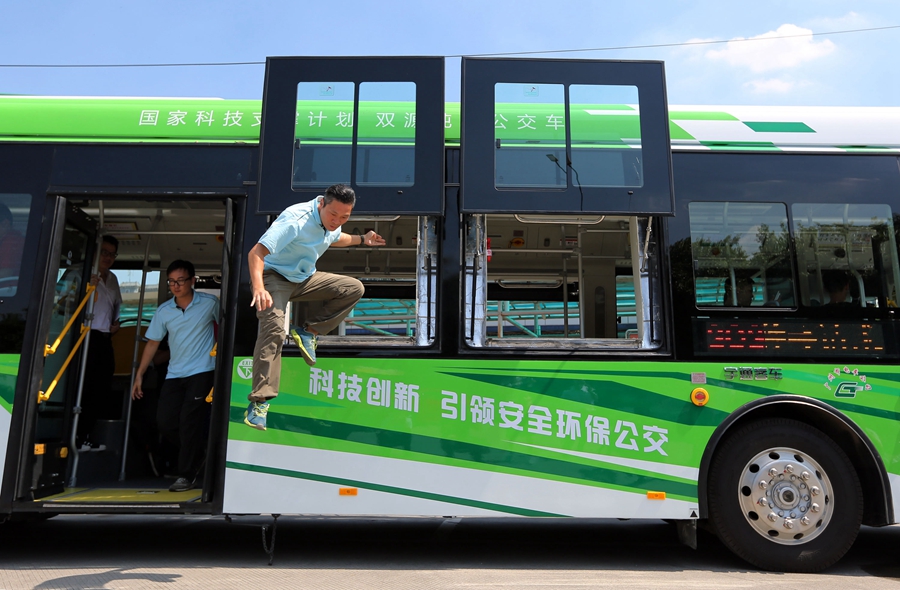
(46, 447)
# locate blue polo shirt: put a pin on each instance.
(296, 241)
(190, 333)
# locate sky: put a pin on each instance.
(716, 52)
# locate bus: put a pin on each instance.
(590, 303)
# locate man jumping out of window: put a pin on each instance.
(283, 269)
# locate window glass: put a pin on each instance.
(741, 255)
(847, 255)
(606, 136)
(14, 209)
(323, 134)
(386, 142)
(130, 287)
(529, 135)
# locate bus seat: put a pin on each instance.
(123, 348)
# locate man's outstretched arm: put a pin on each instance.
(256, 261)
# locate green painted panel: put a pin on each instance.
(779, 127)
(624, 426)
(9, 371)
(701, 116)
(438, 449)
(390, 489)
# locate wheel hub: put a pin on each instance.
(785, 496)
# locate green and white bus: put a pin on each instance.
(590, 304)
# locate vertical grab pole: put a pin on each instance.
(134, 357)
(581, 294)
(88, 320)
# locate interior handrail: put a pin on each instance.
(212, 353)
(48, 350)
(44, 396)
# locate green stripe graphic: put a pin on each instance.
(390, 489)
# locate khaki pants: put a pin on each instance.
(338, 293)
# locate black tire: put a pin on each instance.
(768, 461)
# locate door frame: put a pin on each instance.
(60, 212)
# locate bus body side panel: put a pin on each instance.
(463, 437)
(440, 437)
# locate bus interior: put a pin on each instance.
(151, 234)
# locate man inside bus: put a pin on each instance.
(283, 269)
(189, 319)
(97, 399)
(837, 285)
(744, 292)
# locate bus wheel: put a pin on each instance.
(784, 496)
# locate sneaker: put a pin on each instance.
(182, 484)
(255, 415)
(307, 343)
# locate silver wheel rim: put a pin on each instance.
(786, 496)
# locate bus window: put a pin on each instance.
(606, 135)
(399, 307)
(386, 134)
(530, 135)
(741, 255)
(323, 134)
(847, 255)
(123, 340)
(14, 210)
(386, 146)
(551, 281)
(130, 286)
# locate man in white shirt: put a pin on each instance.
(97, 399)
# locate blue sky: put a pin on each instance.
(852, 69)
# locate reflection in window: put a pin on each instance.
(386, 143)
(130, 287)
(323, 134)
(741, 255)
(14, 210)
(847, 255)
(71, 283)
(606, 135)
(529, 135)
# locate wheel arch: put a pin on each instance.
(877, 498)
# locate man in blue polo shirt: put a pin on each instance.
(283, 269)
(189, 319)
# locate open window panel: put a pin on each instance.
(399, 307)
(543, 136)
(562, 282)
(374, 124)
(118, 456)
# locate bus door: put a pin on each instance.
(46, 452)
